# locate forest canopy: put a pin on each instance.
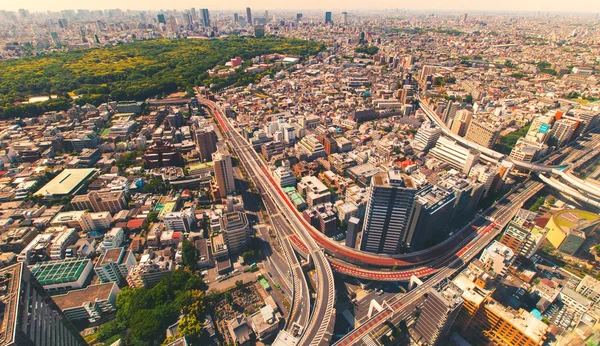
(134, 71)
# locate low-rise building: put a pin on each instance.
(497, 257)
(91, 303)
(149, 271)
(95, 201)
(62, 275)
(265, 322)
(315, 191)
(59, 245)
(112, 239)
(114, 265)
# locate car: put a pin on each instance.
(271, 275)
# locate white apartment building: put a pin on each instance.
(426, 136)
(112, 239)
(283, 175)
(497, 257)
(60, 243)
(180, 221)
(454, 154)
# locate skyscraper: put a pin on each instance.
(236, 18)
(29, 315)
(223, 173)
(438, 314)
(206, 142)
(259, 30)
(328, 17)
(161, 18)
(352, 231)
(388, 212)
(430, 216)
(298, 17)
(249, 15)
(345, 18)
(205, 17)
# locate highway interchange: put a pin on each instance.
(295, 233)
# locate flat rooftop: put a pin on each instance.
(524, 321)
(66, 182)
(111, 255)
(58, 272)
(77, 298)
(9, 301)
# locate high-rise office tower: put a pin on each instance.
(352, 231)
(438, 314)
(194, 13)
(426, 136)
(328, 17)
(29, 315)
(206, 142)
(223, 173)
(236, 18)
(205, 17)
(259, 30)
(388, 212)
(161, 18)
(189, 21)
(430, 216)
(298, 17)
(249, 15)
(345, 18)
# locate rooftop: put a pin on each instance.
(524, 321)
(67, 181)
(58, 272)
(77, 298)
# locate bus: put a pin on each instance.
(276, 284)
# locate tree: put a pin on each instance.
(469, 99)
(189, 254)
(153, 216)
(155, 186)
(239, 283)
(370, 50)
(146, 313)
(248, 256)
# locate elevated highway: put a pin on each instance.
(317, 330)
(403, 305)
(493, 156)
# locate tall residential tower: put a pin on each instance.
(388, 211)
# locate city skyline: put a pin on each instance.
(578, 6)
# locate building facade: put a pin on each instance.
(388, 212)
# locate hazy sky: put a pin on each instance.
(460, 5)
